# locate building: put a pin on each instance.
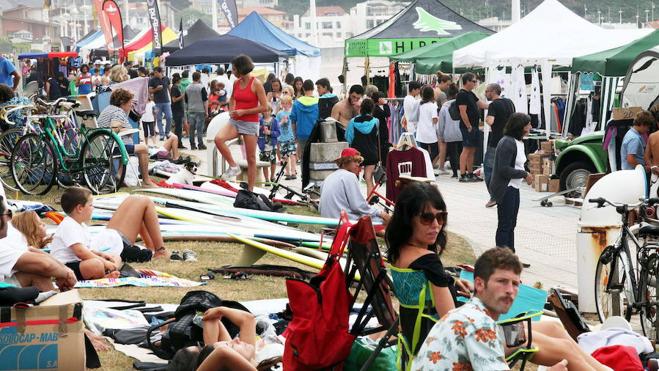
(28, 22)
(334, 24)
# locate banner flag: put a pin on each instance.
(113, 15)
(103, 21)
(230, 11)
(154, 19)
(180, 33)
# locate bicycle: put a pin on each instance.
(97, 155)
(620, 288)
(12, 132)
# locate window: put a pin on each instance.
(308, 35)
(370, 23)
(326, 34)
(338, 24)
(338, 35)
(326, 25)
(348, 35)
(307, 25)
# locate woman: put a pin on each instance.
(426, 129)
(362, 135)
(178, 111)
(416, 238)
(297, 87)
(449, 134)
(33, 229)
(507, 175)
(118, 73)
(84, 80)
(274, 96)
(247, 101)
(57, 87)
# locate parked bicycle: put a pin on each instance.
(94, 156)
(624, 287)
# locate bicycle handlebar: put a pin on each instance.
(600, 201)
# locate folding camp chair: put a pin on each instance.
(364, 258)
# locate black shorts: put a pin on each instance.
(75, 267)
(470, 138)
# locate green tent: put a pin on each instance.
(615, 62)
(438, 56)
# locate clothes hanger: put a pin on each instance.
(405, 142)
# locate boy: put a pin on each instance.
(304, 115)
(286, 138)
(71, 239)
(411, 107)
(267, 141)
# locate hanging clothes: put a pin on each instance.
(519, 89)
(409, 162)
(535, 105)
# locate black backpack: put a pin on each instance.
(255, 201)
(182, 332)
(454, 111)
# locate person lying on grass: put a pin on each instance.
(220, 351)
(73, 245)
(24, 266)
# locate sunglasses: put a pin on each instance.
(428, 218)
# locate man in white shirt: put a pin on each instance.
(223, 78)
(411, 107)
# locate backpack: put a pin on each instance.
(454, 111)
(255, 201)
(182, 332)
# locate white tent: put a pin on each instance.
(642, 81)
(549, 35)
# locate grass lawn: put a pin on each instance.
(215, 255)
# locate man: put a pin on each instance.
(498, 113)
(304, 115)
(346, 109)
(340, 190)
(652, 149)
(632, 150)
(8, 74)
(468, 338)
(159, 87)
(97, 67)
(223, 78)
(326, 99)
(196, 99)
(469, 107)
(411, 107)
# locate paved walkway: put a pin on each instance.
(544, 237)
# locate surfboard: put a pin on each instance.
(232, 188)
(254, 250)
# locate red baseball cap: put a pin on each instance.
(619, 358)
(350, 152)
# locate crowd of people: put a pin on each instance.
(278, 118)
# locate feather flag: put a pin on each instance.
(112, 13)
(230, 11)
(180, 33)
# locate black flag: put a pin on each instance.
(180, 34)
(154, 19)
(230, 11)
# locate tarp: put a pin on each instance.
(223, 50)
(642, 81)
(551, 33)
(616, 61)
(438, 56)
(197, 32)
(47, 55)
(419, 24)
(256, 28)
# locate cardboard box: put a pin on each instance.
(627, 113)
(547, 146)
(540, 182)
(45, 337)
(554, 185)
(547, 166)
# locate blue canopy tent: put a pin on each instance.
(88, 39)
(305, 57)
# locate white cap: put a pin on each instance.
(98, 61)
(616, 322)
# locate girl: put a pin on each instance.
(268, 134)
(297, 87)
(286, 139)
(362, 135)
(33, 229)
(84, 80)
(149, 121)
(426, 130)
(274, 95)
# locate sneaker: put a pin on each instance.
(201, 146)
(463, 178)
(231, 173)
(162, 138)
(294, 176)
(491, 203)
(189, 256)
(454, 176)
(193, 147)
(288, 177)
(175, 255)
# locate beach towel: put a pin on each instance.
(148, 278)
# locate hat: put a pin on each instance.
(619, 358)
(98, 61)
(616, 322)
(348, 154)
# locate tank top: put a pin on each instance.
(245, 99)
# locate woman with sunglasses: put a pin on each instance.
(415, 238)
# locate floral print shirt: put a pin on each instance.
(466, 338)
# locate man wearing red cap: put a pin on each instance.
(340, 190)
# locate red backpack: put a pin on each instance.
(318, 336)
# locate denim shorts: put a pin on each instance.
(245, 127)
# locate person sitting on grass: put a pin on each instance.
(24, 266)
(135, 216)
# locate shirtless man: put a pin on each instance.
(346, 109)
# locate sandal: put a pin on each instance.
(175, 255)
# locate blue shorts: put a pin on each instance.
(287, 148)
(470, 138)
(245, 127)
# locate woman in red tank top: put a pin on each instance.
(247, 101)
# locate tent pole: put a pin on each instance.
(367, 68)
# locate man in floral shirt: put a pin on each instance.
(467, 338)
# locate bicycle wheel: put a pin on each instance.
(613, 288)
(8, 140)
(649, 289)
(101, 163)
(33, 165)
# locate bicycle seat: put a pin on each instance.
(88, 113)
(651, 230)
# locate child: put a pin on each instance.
(286, 138)
(362, 135)
(268, 134)
(149, 121)
(72, 240)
